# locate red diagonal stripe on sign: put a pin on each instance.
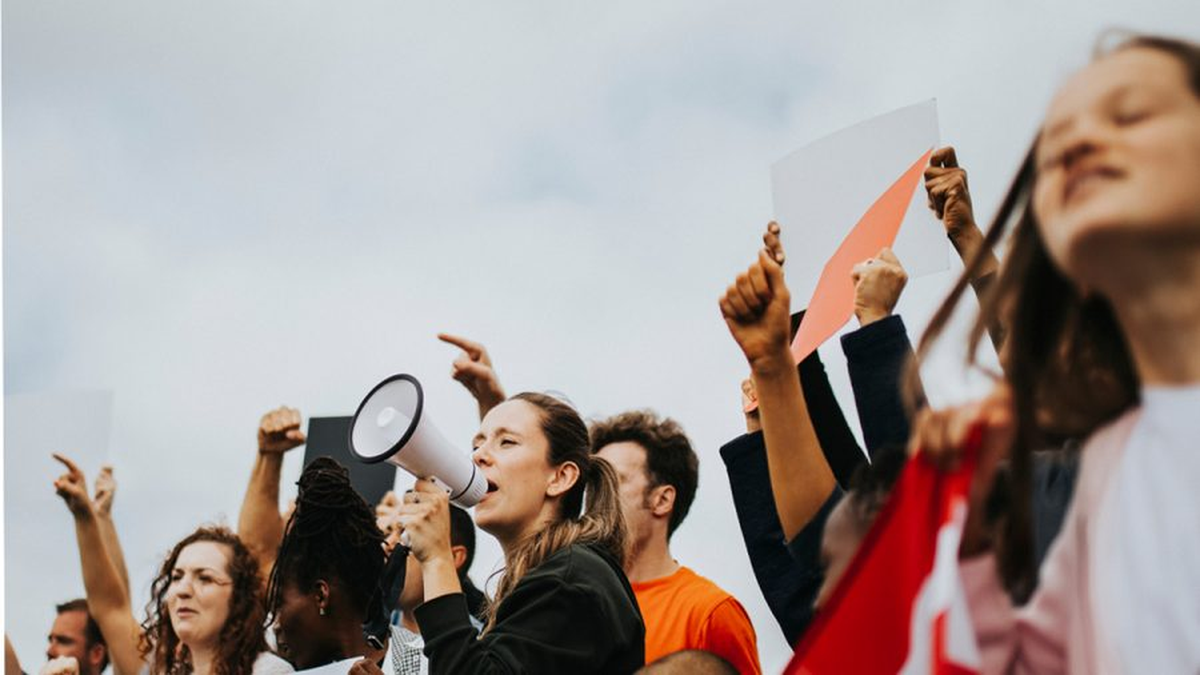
(833, 300)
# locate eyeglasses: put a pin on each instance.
(202, 580)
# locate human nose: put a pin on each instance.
(482, 456)
(181, 587)
(1084, 138)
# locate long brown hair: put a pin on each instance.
(241, 639)
(1065, 355)
(600, 523)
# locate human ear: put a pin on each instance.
(96, 654)
(663, 500)
(564, 478)
(460, 555)
(321, 594)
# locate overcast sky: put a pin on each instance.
(211, 209)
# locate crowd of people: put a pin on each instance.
(1075, 554)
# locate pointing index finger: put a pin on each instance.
(71, 466)
(473, 349)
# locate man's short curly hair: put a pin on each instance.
(670, 459)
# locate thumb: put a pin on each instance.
(774, 272)
(296, 435)
(888, 256)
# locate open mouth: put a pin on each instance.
(1081, 182)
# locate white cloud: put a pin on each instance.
(217, 208)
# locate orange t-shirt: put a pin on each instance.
(686, 611)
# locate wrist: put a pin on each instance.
(869, 316)
(84, 512)
(773, 363)
(269, 456)
(490, 400)
(966, 237)
(440, 577)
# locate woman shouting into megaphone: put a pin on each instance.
(563, 604)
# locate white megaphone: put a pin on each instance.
(390, 425)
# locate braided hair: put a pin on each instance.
(331, 535)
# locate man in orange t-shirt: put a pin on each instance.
(659, 473)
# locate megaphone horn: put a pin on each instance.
(390, 425)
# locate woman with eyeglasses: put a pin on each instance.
(206, 610)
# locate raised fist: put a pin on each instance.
(279, 431)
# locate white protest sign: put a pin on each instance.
(41, 557)
(822, 190)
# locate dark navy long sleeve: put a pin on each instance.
(876, 355)
(788, 585)
(789, 574)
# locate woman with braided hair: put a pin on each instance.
(563, 604)
(327, 571)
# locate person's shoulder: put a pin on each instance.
(270, 664)
(579, 569)
(578, 561)
(704, 591)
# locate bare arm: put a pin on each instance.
(260, 525)
(756, 310)
(11, 664)
(950, 199)
(105, 491)
(108, 601)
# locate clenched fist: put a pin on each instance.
(279, 431)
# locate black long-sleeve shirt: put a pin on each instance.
(789, 573)
(575, 613)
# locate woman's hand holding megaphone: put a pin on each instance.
(425, 517)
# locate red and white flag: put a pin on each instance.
(900, 606)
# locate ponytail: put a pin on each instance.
(590, 511)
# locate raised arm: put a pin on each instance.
(877, 353)
(946, 186)
(108, 601)
(756, 310)
(104, 492)
(260, 526)
(473, 368)
(11, 664)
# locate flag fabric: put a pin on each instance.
(900, 606)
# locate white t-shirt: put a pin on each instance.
(1148, 539)
(266, 664)
(270, 664)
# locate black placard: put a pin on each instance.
(330, 437)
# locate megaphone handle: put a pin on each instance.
(438, 482)
(404, 540)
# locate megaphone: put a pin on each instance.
(391, 426)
